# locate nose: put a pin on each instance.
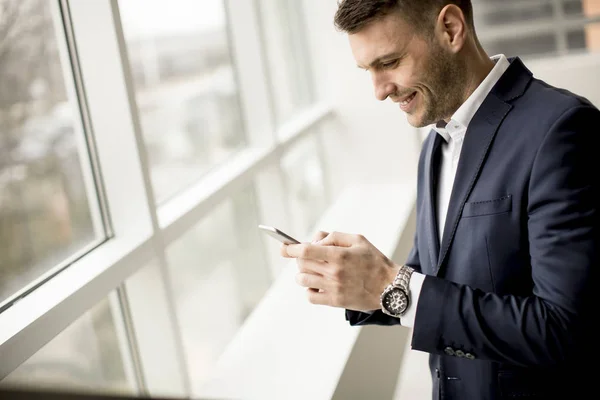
(383, 87)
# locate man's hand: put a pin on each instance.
(342, 270)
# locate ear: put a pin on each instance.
(451, 28)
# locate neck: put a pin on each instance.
(477, 67)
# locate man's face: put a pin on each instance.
(417, 72)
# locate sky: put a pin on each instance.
(144, 18)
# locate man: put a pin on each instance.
(497, 287)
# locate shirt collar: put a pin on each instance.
(463, 116)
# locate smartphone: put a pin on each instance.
(277, 234)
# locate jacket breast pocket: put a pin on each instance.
(488, 207)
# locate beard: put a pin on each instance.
(447, 81)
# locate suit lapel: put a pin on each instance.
(432, 164)
(478, 140)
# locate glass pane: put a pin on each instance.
(494, 12)
(88, 356)
(542, 44)
(580, 8)
(185, 87)
(155, 336)
(45, 206)
(219, 274)
(576, 40)
(573, 7)
(287, 55)
(305, 185)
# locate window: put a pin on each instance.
(287, 56)
(186, 90)
(527, 46)
(305, 185)
(178, 145)
(91, 355)
(219, 273)
(538, 27)
(49, 210)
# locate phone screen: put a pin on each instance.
(279, 235)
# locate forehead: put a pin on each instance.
(389, 34)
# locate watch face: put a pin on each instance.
(395, 301)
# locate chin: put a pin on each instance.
(416, 121)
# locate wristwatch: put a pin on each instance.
(395, 297)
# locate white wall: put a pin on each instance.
(374, 142)
(577, 73)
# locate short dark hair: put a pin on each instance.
(354, 15)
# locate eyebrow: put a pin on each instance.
(380, 59)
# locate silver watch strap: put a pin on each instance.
(403, 277)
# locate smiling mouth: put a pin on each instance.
(407, 100)
(406, 104)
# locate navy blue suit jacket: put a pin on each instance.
(505, 310)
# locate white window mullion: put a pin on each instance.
(561, 33)
(244, 36)
(126, 174)
(85, 140)
(322, 155)
(257, 95)
(110, 110)
(273, 210)
(126, 341)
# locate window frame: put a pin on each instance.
(559, 24)
(140, 229)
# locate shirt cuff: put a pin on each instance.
(414, 287)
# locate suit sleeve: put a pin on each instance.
(542, 329)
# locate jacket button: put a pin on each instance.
(437, 372)
(459, 353)
(449, 351)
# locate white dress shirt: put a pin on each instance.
(453, 134)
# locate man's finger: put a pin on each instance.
(318, 297)
(319, 236)
(341, 239)
(310, 251)
(312, 266)
(284, 252)
(312, 281)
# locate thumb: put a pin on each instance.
(340, 239)
(319, 236)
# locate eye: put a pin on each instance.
(389, 64)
